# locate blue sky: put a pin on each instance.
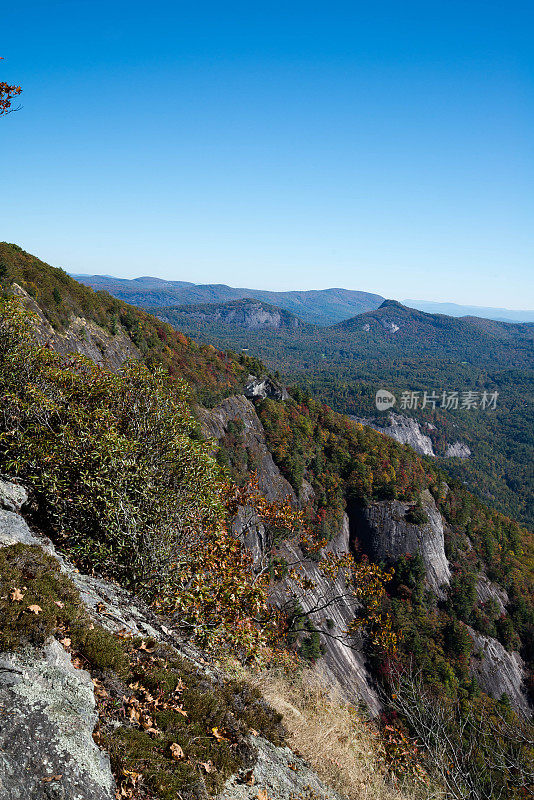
(385, 146)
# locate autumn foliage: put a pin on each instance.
(7, 94)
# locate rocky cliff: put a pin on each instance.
(81, 336)
(344, 663)
(383, 530)
(245, 313)
(498, 672)
(50, 706)
(401, 428)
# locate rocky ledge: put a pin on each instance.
(49, 710)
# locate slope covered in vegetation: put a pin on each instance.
(210, 372)
(404, 351)
(124, 484)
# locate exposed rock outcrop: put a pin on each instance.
(383, 531)
(487, 590)
(245, 313)
(49, 712)
(342, 662)
(457, 450)
(498, 672)
(265, 387)
(81, 336)
(401, 428)
(282, 774)
(12, 496)
(48, 717)
(214, 424)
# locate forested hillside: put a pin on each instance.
(123, 483)
(403, 350)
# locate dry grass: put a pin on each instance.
(338, 742)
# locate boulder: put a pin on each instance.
(265, 387)
(48, 717)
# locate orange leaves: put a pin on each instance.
(278, 515)
(129, 780)
(176, 752)
(7, 93)
(218, 735)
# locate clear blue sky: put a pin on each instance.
(379, 146)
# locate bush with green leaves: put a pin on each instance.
(115, 462)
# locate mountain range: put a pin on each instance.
(455, 310)
(342, 352)
(316, 306)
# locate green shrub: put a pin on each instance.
(115, 462)
(416, 514)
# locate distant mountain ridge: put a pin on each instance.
(314, 306)
(422, 329)
(456, 310)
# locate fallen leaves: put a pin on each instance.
(176, 752)
(262, 795)
(207, 766)
(50, 778)
(35, 609)
(128, 784)
(220, 738)
(100, 689)
(249, 778)
(16, 595)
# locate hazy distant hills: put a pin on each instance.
(473, 338)
(316, 306)
(455, 310)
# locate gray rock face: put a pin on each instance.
(264, 387)
(49, 713)
(403, 429)
(281, 774)
(48, 716)
(82, 336)
(382, 530)
(486, 590)
(214, 424)
(12, 496)
(13, 529)
(457, 450)
(498, 672)
(342, 662)
(246, 313)
(389, 325)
